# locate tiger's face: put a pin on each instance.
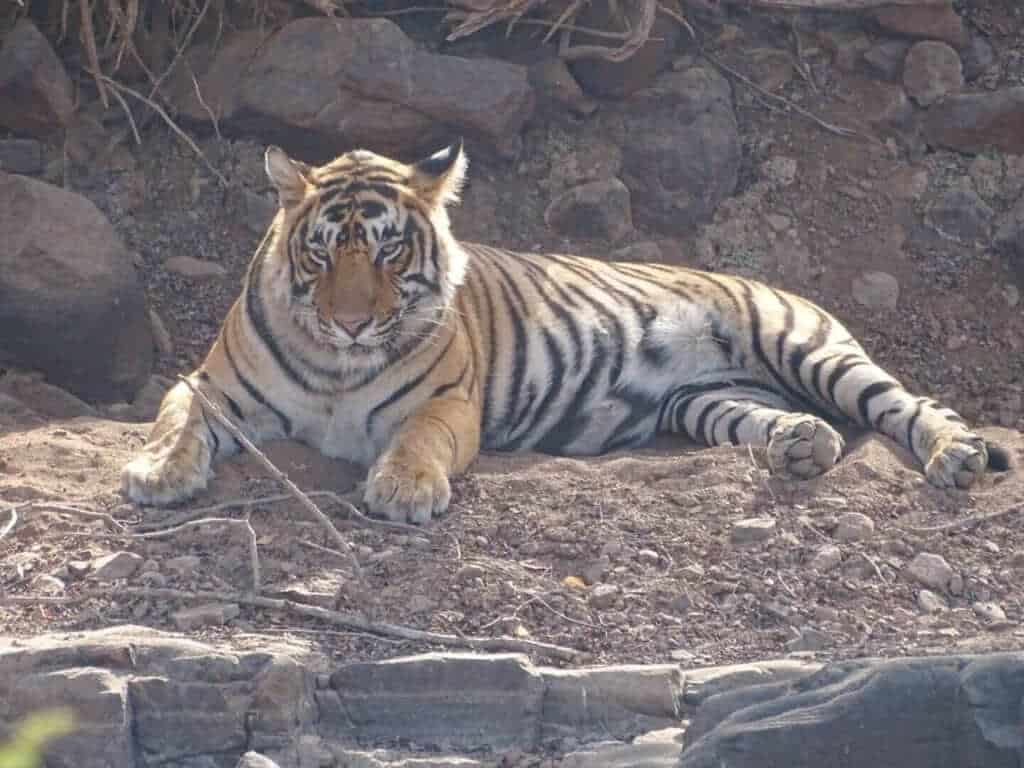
(371, 263)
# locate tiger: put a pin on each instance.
(365, 329)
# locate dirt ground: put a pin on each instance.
(640, 557)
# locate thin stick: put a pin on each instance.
(177, 53)
(202, 102)
(836, 129)
(12, 522)
(967, 522)
(297, 492)
(335, 618)
(170, 123)
(89, 39)
(131, 118)
(87, 513)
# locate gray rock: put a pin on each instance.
(36, 95)
(554, 82)
(688, 158)
(942, 712)
(42, 398)
(191, 267)
(826, 558)
(71, 304)
(930, 602)
(989, 612)
(961, 215)
(978, 122)
(886, 58)
(932, 571)
(597, 209)
(207, 615)
(854, 526)
(876, 290)
(605, 596)
(657, 749)
(931, 71)
(933, 21)
(319, 84)
(23, 156)
(977, 57)
(614, 702)
(809, 639)
(255, 760)
(752, 529)
(645, 251)
(463, 700)
(119, 565)
(1009, 237)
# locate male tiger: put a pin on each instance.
(365, 329)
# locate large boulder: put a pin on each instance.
(979, 122)
(36, 96)
(71, 304)
(321, 86)
(683, 154)
(944, 712)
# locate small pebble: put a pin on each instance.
(752, 529)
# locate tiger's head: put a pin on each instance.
(371, 262)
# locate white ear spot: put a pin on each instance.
(438, 179)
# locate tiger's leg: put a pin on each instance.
(951, 454)
(742, 411)
(410, 479)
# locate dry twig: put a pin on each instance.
(170, 124)
(297, 492)
(13, 511)
(964, 523)
(335, 618)
(89, 40)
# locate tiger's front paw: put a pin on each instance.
(163, 479)
(957, 460)
(407, 490)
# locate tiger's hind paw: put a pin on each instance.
(803, 446)
(957, 460)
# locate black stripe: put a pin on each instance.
(236, 410)
(406, 388)
(911, 422)
(868, 394)
(718, 419)
(253, 392)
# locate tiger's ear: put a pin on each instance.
(438, 179)
(288, 176)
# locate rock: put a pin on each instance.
(466, 700)
(255, 760)
(645, 252)
(604, 596)
(615, 701)
(191, 267)
(826, 558)
(876, 290)
(648, 557)
(71, 304)
(886, 58)
(206, 615)
(184, 565)
(887, 107)
(780, 170)
(23, 156)
(470, 572)
(618, 79)
(940, 712)
(979, 122)
(977, 57)
(989, 612)
(932, 571)
(931, 71)
(960, 215)
(752, 529)
(553, 82)
(1009, 237)
(42, 398)
(809, 639)
(854, 526)
(930, 602)
(986, 174)
(659, 749)
(688, 158)
(120, 565)
(597, 209)
(36, 95)
(318, 85)
(924, 22)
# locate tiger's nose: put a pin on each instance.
(353, 326)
